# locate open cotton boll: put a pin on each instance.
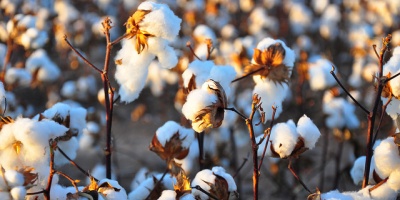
(300, 18)
(393, 108)
(284, 139)
(99, 171)
(271, 95)
(189, 161)
(68, 89)
(168, 195)
(18, 193)
(224, 75)
(140, 176)
(170, 128)
(59, 192)
(319, 71)
(357, 171)
(394, 180)
(17, 75)
(289, 53)
(144, 188)
(115, 192)
(39, 60)
(131, 74)
(14, 178)
(203, 32)
(203, 178)
(220, 171)
(199, 69)
(387, 158)
(383, 192)
(197, 100)
(161, 21)
(309, 131)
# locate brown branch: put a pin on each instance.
(380, 119)
(268, 137)
(237, 112)
(297, 177)
(189, 45)
(347, 92)
(376, 52)
(378, 184)
(389, 79)
(200, 140)
(118, 39)
(197, 187)
(372, 115)
(52, 146)
(35, 193)
(81, 56)
(73, 182)
(248, 74)
(75, 164)
(241, 166)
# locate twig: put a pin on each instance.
(297, 177)
(81, 56)
(189, 45)
(234, 159)
(197, 187)
(157, 184)
(380, 119)
(75, 164)
(372, 115)
(200, 140)
(118, 40)
(69, 178)
(268, 137)
(389, 79)
(247, 75)
(52, 146)
(249, 123)
(378, 184)
(347, 92)
(237, 112)
(241, 166)
(376, 52)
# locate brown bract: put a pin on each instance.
(172, 148)
(220, 187)
(269, 64)
(213, 115)
(299, 148)
(133, 29)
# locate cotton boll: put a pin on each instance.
(59, 192)
(188, 162)
(203, 32)
(319, 71)
(300, 18)
(140, 176)
(132, 72)
(18, 193)
(284, 139)
(161, 21)
(99, 171)
(203, 179)
(199, 69)
(224, 75)
(383, 192)
(39, 60)
(289, 53)
(70, 148)
(393, 108)
(335, 195)
(18, 76)
(115, 193)
(167, 195)
(68, 89)
(309, 131)
(169, 129)
(357, 171)
(355, 77)
(220, 171)
(167, 57)
(394, 180)
(14, 178)
(271, 95)
(387, 157)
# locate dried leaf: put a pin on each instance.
(172, 148)
(29, 177)
(315, 196)
(220, 187)
(92, 185)
(133, 30)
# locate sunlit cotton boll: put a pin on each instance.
(308, 131)
(284, 138)
(132, 66)
(48, 70)
(18, 192)
(18, 76)
(387, 157)
(319, 71)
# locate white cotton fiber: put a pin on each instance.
(357, 171)
(394, 180)
(161, 21)
(200, 179)
(170, 128)
(39, 60)
(199, 69)
(271, 95)
(319, 71)
(309, 131)
(387, 158)
(14, 178)
(224, 75)
(116, 192)
(284, 138)
(18, 75)
(168, 195)
(18, 192)
(132, 73)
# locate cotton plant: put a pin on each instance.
(145, 188)
(149, 31)
(215, 181)
(41, 67)
(288, 140)
(15, 183)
